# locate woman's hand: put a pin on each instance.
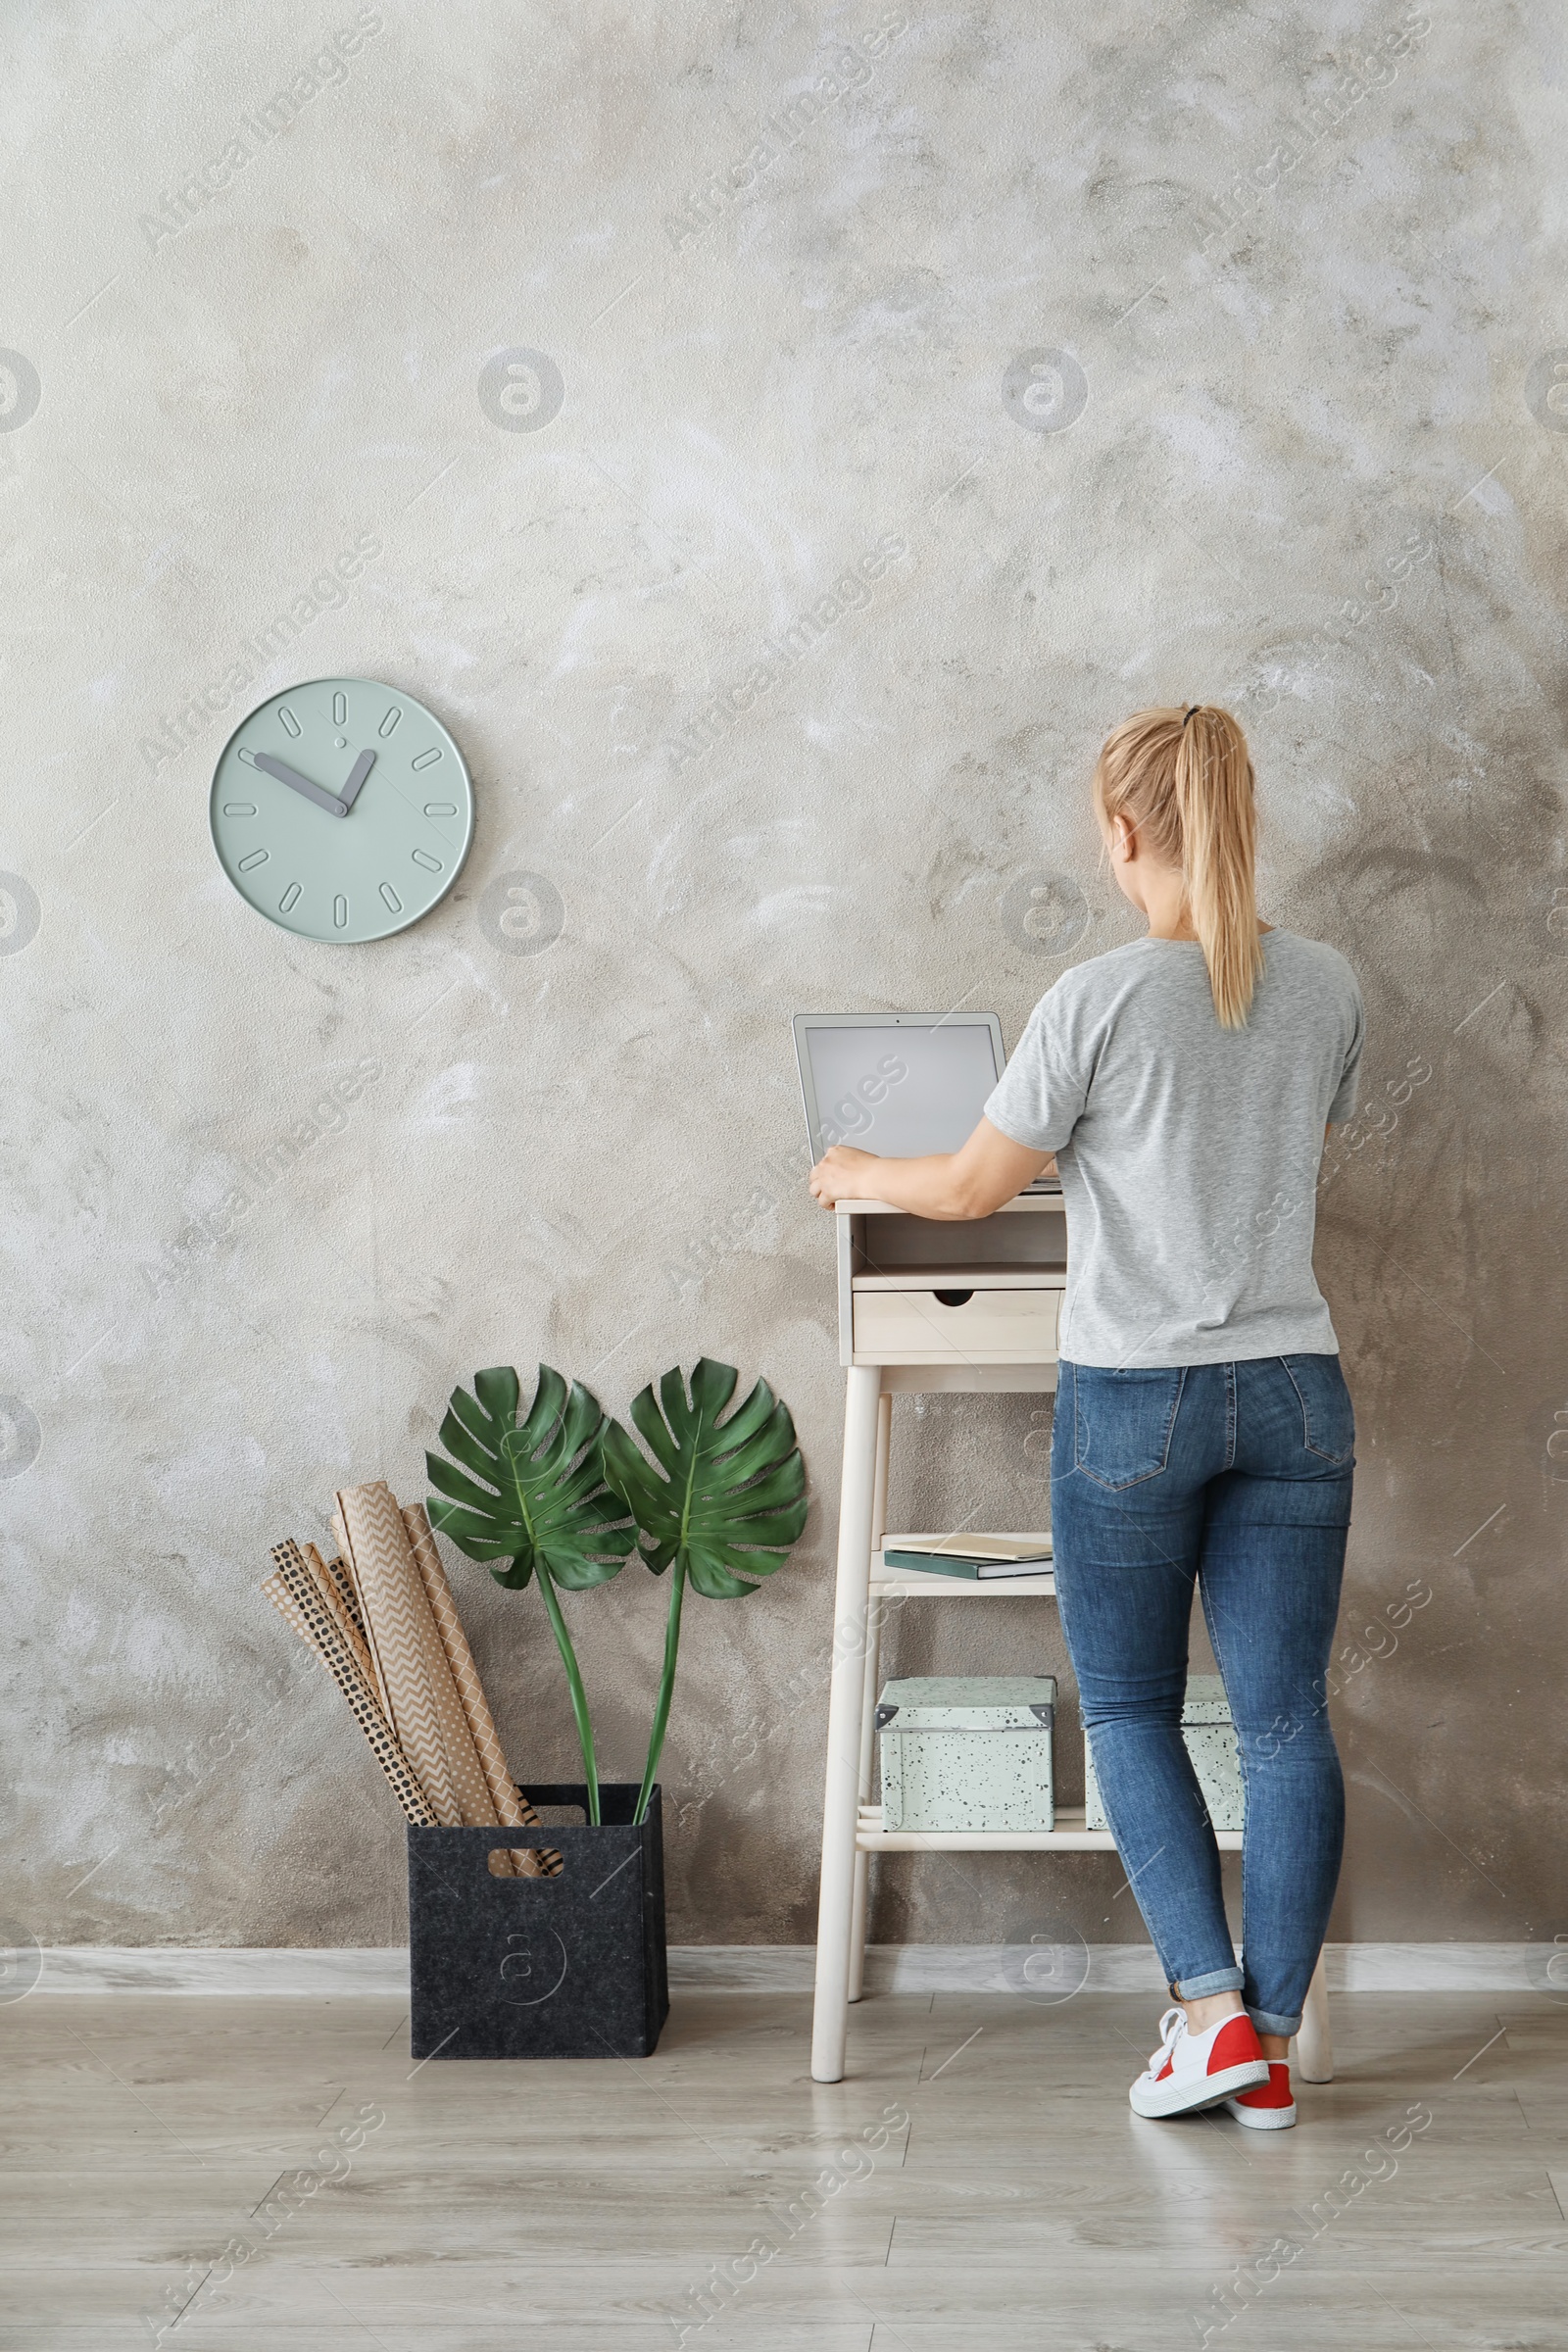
(845, 1174)
(990, 1169)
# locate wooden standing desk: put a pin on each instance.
(924, 1306)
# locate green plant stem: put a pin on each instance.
(667, 1686)
(579, 1698)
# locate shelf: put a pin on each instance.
(989, 1277)
(1024, 1204)
(1070, 1837)
(967, 1378)
(922, 1582)
(915, 1584)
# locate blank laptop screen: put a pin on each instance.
(900, 1092)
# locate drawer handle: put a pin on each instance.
(952, 1298)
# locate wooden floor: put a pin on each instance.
(164, 2161)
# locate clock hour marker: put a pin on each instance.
(248, 757)
(290, 898)
(393, 901)
(440, 809)
(256, 857)
(288, 719)
(390, 720)
(431, 865)
(242, 808)
(428, 759)
(340, 709)
(340, 912)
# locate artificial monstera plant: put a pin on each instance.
(562, 1497)
(532, 1495)
(718, 1506)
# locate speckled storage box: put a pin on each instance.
(1210, 1739)
(968, 1752)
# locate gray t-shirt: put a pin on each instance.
(1188, 1153)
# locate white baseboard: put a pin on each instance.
(788, 1967)
(227, 1968)
(1043, 1969)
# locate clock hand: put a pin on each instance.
(291, 776)
(357, 775)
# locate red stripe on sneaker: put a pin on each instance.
(1168, 2067)
(1235, 2044)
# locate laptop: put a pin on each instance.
(900, 1084)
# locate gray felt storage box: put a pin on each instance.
(968, 1752)
(1210, 1739)
(567, 1967)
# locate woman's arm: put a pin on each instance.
(990, 1169)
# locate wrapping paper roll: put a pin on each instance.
(292, 1591)
(422, 1702)
(344, 1566)
(511, 1808)
(338, 1572)
(383, 1622)
(335, 1602)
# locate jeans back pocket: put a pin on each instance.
(1123, 1422)
(1328, 1418)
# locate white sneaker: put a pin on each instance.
(1189, 2071)
(1269, 2108)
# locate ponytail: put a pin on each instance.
(1183, 779)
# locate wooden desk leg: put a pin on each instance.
(846, 1703)
(1314, 2045)
(872, 1680)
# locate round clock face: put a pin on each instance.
(341, 810)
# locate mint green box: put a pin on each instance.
(1210, 1737)
(969, 1753)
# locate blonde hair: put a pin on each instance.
(1183, 778)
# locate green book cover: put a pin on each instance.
(938, 1563)
(989, 1558)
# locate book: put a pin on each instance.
(975, 1558)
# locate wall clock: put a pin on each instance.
(341, 810)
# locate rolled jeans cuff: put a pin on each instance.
(1215, 1979)
(1264, 2021)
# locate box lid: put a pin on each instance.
(1206, 1700)
(968, 1702)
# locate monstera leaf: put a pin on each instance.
(724, 1499)
(543, 1501)
(721, 1502)
(542, 1506)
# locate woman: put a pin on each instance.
(1202, 1428)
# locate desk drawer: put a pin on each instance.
(956, 1326)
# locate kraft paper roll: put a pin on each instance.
(424, 1705)
(340, 1536)
(511, 1808)
(291, 1589)
(337, 1570)
(333, 1599)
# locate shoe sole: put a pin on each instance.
(1188, 2098)
(1262, 2119)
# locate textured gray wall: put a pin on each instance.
(1147, 353)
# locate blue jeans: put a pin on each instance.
(1237, 1476)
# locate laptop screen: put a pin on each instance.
(898, 1086)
